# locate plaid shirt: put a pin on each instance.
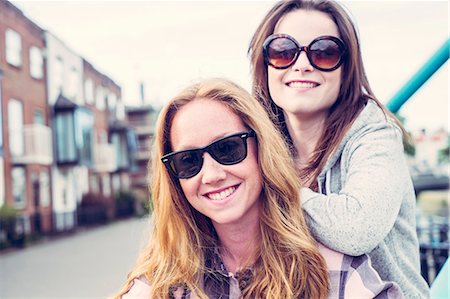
(350, 277)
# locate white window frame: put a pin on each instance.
(19, 184)
(57, 74)
(13, 47)
(89, 91)
(72, 86)
(15, 127)
(106, 185)
(112, 101)
(44, 185)
(100, 98)
(36, 63)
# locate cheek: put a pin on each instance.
(253, 168)
(335, 87)
(189, 188)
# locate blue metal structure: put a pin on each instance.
(419, 78)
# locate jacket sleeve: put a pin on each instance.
(374, 177)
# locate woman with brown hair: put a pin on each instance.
(358, 195)
(227, 221)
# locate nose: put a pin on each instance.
(212, 171)
(302, 63)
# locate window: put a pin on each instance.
(75, 136)
(72, 87)
(36, 63)
(85, 135)
(66, 151)
(120, 110)
(89, 91)
(15, 126)
(102, 137)
(44, 182)
(13, 48)
(100, 98)
(106, 185)
(112, 101)
(58, 75)
(1, 119)
(2, 182)
(18, 187)
(116, 186)
(94, 185)
(121, 149)
(39, 117)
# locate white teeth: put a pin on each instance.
(221, 195)
(297, 84)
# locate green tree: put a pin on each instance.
(408, 143)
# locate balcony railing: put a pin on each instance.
(36, 147)
(143, 152)
(104, 158)
(142, 126)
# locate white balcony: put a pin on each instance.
(143, 152)
(104, 158)
(142, 126)
(31, 145)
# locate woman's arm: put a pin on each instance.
(374, 179)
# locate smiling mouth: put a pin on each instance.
(298, 84)
(222, 194)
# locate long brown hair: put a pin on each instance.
(289, 266)
(354, 93)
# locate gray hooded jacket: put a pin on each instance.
(366, 202)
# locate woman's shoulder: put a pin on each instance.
(139, 289)
(373, 118)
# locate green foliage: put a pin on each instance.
(125, 203)
(410, 148)
(124, 197)
(444, 153)
(8, 233)
(7, 212)
(149, 205)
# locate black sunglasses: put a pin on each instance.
(227, 151)
(325, 53)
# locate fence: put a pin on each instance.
(433, 233)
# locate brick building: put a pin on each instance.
(142, 119)
(27, 142)
(110, 171)
(63, 132)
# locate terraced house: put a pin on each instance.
(63, 128)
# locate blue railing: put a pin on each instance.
(423, 74)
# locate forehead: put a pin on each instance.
(202, 121)
(306, 25)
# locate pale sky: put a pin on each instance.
(170, 44)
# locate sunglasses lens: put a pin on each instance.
(325, 54)
(227, 151)
(281, 52)
(230, 150)
(186, 164)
